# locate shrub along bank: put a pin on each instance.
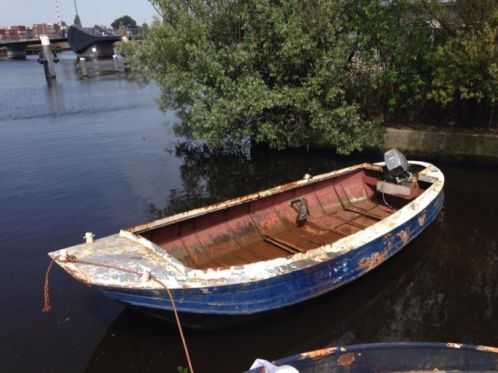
(288, 73)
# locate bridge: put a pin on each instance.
(16, 49)
(92, 42)
(94, 48)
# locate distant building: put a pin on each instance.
(121, 31)
(43, 29)
(23, 32)
(15, 33)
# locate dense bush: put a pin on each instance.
(392, 44)
(273, 72)
(288, 72)
(466, 64)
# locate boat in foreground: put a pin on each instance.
(387, 357)
(267, 250)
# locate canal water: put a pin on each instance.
(95, 155)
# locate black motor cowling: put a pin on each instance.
(396, 167)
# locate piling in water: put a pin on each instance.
(47, 58)
(83, 67)
(116, 62)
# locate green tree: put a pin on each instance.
(466, 65)
(144, 30)
(290, 72)
(275, 72)
(392, 44)
(125, 21)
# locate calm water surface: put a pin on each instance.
(96, 155)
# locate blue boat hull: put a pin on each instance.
(281, 291)
(394, 357)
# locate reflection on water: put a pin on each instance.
(441, 288)
(54, 96)
(209, 176)
(96, 155)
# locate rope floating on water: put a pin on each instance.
(71, 258)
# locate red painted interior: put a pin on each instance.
(266, 228)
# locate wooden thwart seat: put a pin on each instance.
(289, 223)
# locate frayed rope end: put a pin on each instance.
(46, 293)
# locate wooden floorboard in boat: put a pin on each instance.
(229, 253)
(265, 249)
(365, 204)
(364, 221)
(348, 229)
(296, 238)
(238, 257)
(379, 212)
(325, 238)
(334, 220)
(321, 229)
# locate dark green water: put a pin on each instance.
(96, 156)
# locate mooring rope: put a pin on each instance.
(180, 330)
(71, 258)
(46, 291)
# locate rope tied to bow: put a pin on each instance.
(72, 259)
(47, 306)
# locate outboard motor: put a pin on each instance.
(396, 167)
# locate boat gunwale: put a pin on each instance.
(273, 267)
(111, 289)
(262, 270)
(182, 216)
(381, 346)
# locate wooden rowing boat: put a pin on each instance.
(387, 357)
(263, 251)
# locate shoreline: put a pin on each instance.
(444, 144)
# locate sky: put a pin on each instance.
(92, 12)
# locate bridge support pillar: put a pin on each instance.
(47, 58)
(16, 52)
(83, 67)
(116, 62)
(101, 50)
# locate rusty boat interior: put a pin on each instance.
(283, 221)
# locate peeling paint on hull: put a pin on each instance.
(395, 357)
(257, 287)
(284, 290)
